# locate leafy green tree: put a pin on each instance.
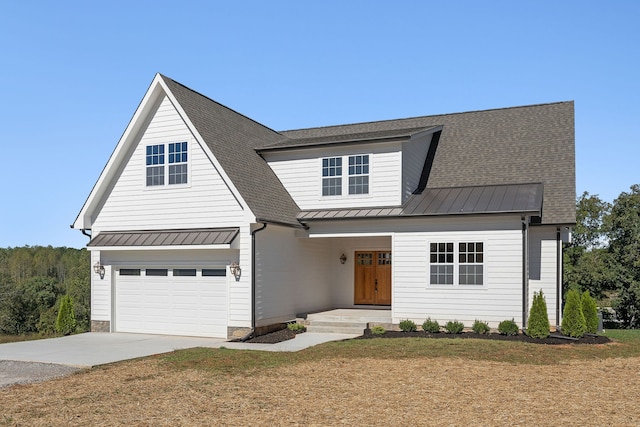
(573, 323)
(623, 225)
(538, 324)
(590, 312)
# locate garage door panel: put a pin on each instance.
(182, 305)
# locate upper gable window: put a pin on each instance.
(356, 180)
(332, 176)
(174, 165)
(359, 174)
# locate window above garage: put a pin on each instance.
(167, 160)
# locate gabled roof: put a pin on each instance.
(516, 145)
(232, 139)
(490, 199)
(351, 138)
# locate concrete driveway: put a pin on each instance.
(95, 348)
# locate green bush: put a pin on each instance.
(454, 327)
(480, 327)
(408, 326)
(508, 327)
(590, 312)
(538, 324)
(378, 330)
(66, 321)
(573, 323)
(431, 326)
(296, 327)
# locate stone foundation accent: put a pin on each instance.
(100, 326)
(237, 332)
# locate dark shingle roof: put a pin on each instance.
(207, 236)
(232, 138)
(516, 198)
(494, 147)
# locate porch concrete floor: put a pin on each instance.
(355, 315)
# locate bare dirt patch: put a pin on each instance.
(336, 391)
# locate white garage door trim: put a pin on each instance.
(172, 304)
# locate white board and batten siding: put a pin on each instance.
(543, 267)
(204, 200)
(301, 174)
(498, 299)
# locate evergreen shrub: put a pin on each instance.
(508, 327)
(378, 330)
(590, 312)
(66, 320)
(408, 326)
(431, 326)
(573, 323)
(454, 327)
(480, 327)
(538, 324)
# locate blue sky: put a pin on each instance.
(74, 72)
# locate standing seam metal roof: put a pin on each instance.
(196, 237)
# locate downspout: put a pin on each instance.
(525, 272)
(84, 231)
(253, 282)
(558, 276)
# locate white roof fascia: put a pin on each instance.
(151, 99)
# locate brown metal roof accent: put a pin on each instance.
(349, 138)
(511, 198)
(196, 237)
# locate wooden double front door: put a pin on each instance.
(372, 284)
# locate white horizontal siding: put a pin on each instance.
(100, 291)
(301, 175)
(499, 299)
(205, 201)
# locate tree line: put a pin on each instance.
(35, 280)
(604, 255)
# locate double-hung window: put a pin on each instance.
(356, 180)
(166, 160)
(359, 174)
(332, 176)
(456, 263)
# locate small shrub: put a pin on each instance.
(66, 320)
(296, 327)
(508, 327)
(590, 312)
(573, 323)
(408, 326)
(538, 324)
(454, 327)
(480, 327)
(431, 326)
(378, 330)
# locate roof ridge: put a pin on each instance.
(427, 116)
(222, 105)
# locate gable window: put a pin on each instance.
(460, 263)
(155, 165)
(359, 174)
(332, 176)
(174, 165)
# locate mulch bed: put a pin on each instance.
(554, 339)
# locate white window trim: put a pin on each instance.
(456, 264)
(166, 165)
(345, 177)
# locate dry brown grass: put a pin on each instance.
(361, 391)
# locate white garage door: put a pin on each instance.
(184, 301)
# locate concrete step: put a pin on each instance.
(323, 317)
(337, 329)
